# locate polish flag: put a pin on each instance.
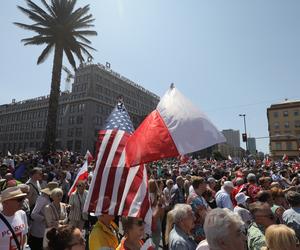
(88, 156)
(175, 128)
(148, 245)
(285, 157)
(81, 176)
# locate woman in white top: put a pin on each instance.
(77, 217)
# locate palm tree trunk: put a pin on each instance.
(50, 137)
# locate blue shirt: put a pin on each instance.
(179, 240)
(223, 200)
(291, 218)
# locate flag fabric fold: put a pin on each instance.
(175, 128)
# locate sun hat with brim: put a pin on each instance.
(11, 193)
(50, 186)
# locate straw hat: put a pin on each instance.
(50, 186)
(11, 193)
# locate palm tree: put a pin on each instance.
(63, 28)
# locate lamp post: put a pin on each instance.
(244, 116)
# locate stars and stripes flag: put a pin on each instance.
(116, 188)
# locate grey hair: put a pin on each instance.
(55, 192)
(180, 212)
(239, 181)
(217, 224)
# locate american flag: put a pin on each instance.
(118, 189)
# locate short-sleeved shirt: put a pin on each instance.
(200, 208)
(19, 224)
(291, 218)
(255, 237)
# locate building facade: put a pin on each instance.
(82, 112)
(252, 145)
(284, 129)
(232, 137)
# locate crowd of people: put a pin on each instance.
(196, 204)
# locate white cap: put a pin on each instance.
(241, 198)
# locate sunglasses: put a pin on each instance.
(19, 199)
(269, 216)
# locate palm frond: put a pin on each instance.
(38, 10)
(45, 53)
(33, 16)
(35, 28)
(70, 58)
(44, 2)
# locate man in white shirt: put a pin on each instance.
(12, 199)
(223, 199)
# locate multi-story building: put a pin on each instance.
(284, 128)
(82, 112)
(252, 145)
(232, 137)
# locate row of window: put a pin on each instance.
(285, 146)
(77, 107)
(285, 113)
(75, 119)
(287, 124)
(79, 87)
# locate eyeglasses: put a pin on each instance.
(139, 223)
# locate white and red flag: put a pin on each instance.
(82, 175)
(89, 157)
(285, 157)
(175, 127)
(118, 189)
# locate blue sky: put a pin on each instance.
(228, 57)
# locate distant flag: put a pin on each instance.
(115, 188)
(89, 157)
(183, 159)
(285, 157)
(175, 128)
(267, 161)
(82, 175)
(20, 170)
(229, 158)
(8, 153)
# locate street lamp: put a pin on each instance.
(246, 139)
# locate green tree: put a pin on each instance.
(62, 28)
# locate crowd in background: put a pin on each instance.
(196, 204)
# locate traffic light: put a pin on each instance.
(244, 136)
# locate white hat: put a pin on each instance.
(11, 193)
(228, 184)
(241, 198)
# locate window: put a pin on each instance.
(296, 112)
(276, 125)
(278, 146)
(77, 146)
(78, 132)
(285, 113)
(71, 120)
(289, 146)
(70, 132)
(297, 124)
(70, 145)
(79, 119)
(275, 114)
(286, 124)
